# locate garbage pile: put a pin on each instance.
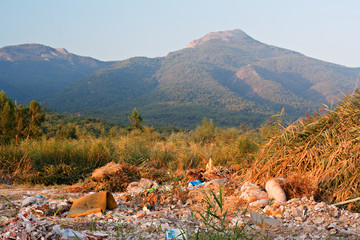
(149, 210)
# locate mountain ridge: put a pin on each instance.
(227, 76)
(35, 71)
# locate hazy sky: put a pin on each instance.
(115, 29)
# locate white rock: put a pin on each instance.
(251, 192)
(275, 191)
(260, 203)
(57, 229)
(143, 184)
(28, 201)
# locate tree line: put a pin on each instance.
(18, 122)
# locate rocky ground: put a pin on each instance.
(41, 214)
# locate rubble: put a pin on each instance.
(169, 208)
(142, 185)
(28, 201)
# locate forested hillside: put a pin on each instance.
(227, 76)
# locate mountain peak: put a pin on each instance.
(33, 51)
(62, 50)
(225, 36)
(30, 51)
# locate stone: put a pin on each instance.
(142, 185)
(275, 191)
(263, 219)
(318, 221)
(28, 201)
(260, 203)
(251, 192)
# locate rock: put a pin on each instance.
(263, 219)
(147, 183)
(143, 184)
(318, 221)
(320, 206)
(56, 229)
(272, 210)
(251, 192)
(275, 191)
(260, 203)
(28, 201)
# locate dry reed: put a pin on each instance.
(325, 149)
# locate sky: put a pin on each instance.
(117, 29)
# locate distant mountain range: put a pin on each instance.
(34, 71)
(227, 76)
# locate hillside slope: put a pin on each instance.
(227, 76)
(34, 71)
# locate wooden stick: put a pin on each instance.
(348, 201)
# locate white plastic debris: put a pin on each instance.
(68, 233)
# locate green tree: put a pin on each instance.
(37, 117)
(23, 121)
(205, 133)
(135, 120)
(17, 122)
(68, 131)
(7, 118)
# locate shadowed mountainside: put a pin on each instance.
(34, 71)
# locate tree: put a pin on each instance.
(23, 122)
(36, 119)
(7, 118)
(206, 132)
(135, 120)
(17, 122)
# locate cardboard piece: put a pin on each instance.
(92, 203)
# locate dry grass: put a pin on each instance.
(324, 149)
(317, 155)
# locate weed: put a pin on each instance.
(215, 220)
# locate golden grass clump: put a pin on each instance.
(324, 149)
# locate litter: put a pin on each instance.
(174, 234)
(93, 203)
(195, 182)
(219, 181)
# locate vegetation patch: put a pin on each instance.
(323, 149)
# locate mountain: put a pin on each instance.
(227, 76)
(34, 71)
